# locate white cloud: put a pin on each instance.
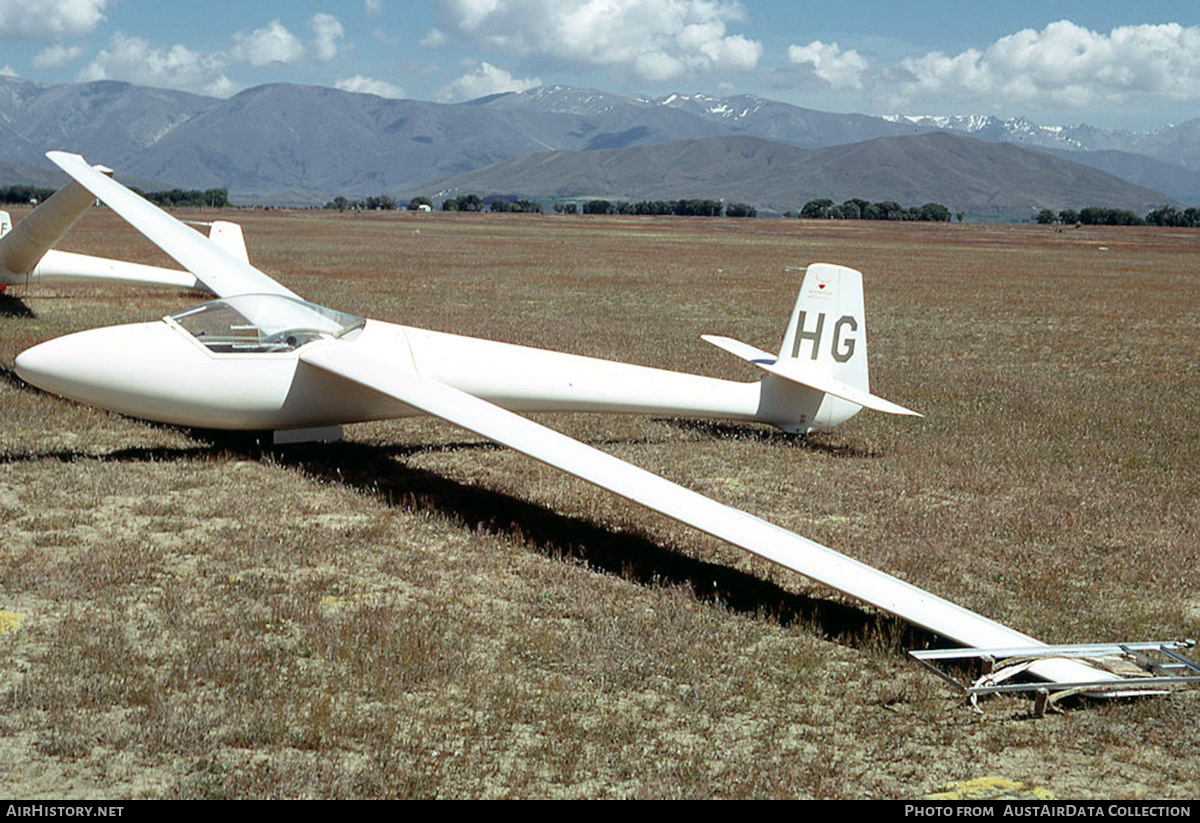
(838, 69)
(1062, 65)
(8, 71)
(658, 67)
(374, 8)
(368, 85)
(327, 31)
(56, 55)
(273, 44)
(483, 80)
(655, 40)
(435, 38)
(21, 19)
(134, 60)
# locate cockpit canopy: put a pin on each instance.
(250, 323)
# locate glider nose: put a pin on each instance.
(52, 366)
(157, 371)
(100, 367)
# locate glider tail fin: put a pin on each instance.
(229, 237)
(828, 328)
(820, 378)
(824, 352)
(27, 242)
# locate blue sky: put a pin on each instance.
(1105, 63)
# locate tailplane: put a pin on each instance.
(820, 377)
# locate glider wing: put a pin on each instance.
(733, 525)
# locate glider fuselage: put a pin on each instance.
(161, 371)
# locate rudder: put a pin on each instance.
(828, 327)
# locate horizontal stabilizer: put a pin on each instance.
(815, 379)
(797, 371)
(739, 349)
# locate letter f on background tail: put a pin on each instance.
(820, 378)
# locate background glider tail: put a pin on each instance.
(229, 237)
(28, 241)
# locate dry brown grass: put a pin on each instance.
(416, 613)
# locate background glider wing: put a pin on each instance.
(222, 273)
(733, 525)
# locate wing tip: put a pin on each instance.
(64, 158)
(59, 157)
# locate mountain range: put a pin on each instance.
(985, 180)
(292, 144)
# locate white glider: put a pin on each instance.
(259, 357)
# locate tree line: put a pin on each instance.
(855, 208)
(467, 202)
(216, 198)
(14, 195)
(1101, 216)
(173, 198)
(473, 202)
(858, 209)
(379, 202)
(680, 208)
(701, 208)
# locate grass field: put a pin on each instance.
(414, 612)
